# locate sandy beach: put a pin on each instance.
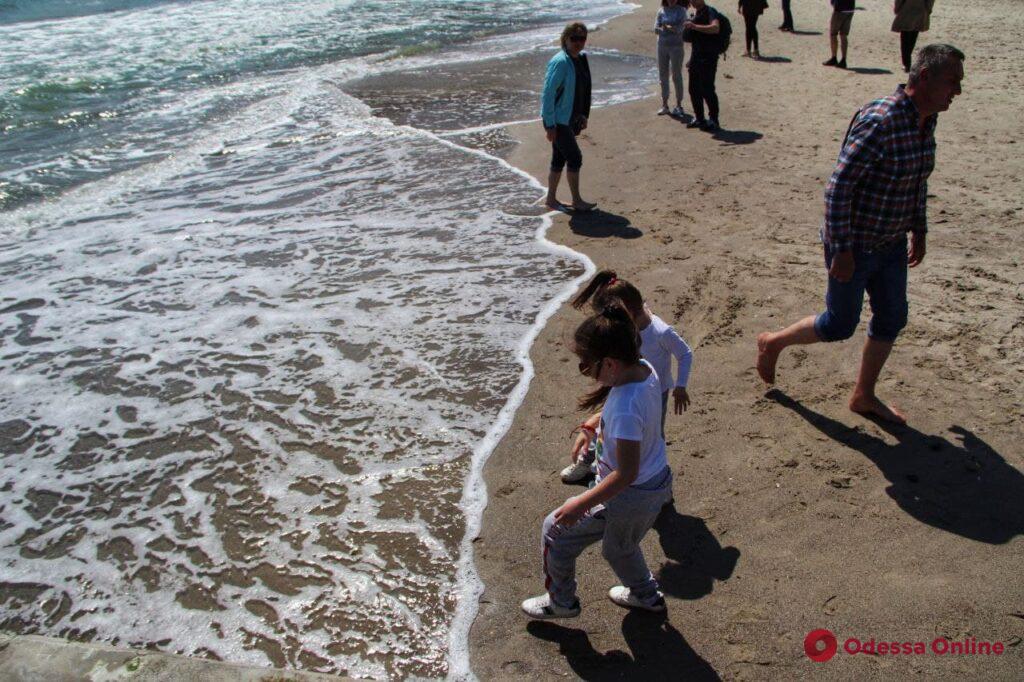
(791, 513)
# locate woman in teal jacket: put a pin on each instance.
(564, 110)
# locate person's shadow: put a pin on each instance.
(695, 557)
(962, 487)
(733, 137)
(601, 224)
(775, 60)
(868, 70)
(657, 651)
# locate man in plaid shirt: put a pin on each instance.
(876, 195)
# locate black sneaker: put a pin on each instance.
(831, 62)
(841, 64)
(697, 123)
(712, 126)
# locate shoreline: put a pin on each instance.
(759, 491)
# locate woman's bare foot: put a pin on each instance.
(583, 206)
(766, 358)
(868, 405)
(554, 204)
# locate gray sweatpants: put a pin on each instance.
(671, 57)
(619, 524)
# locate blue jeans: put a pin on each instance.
(882, 272)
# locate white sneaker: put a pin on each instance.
(662, 111)
(623, 596)
(542, 608)
(574, 473)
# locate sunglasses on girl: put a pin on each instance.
(578, 39)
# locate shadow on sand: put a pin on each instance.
(734, 137)
(962, 487)
(696, 558)
(601, 224)
(806, 33)
(657, 651)
(775, 60)
(868, 71)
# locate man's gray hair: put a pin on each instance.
(935, 57)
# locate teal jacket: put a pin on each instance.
(559, 91)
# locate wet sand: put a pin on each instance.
(791, 513)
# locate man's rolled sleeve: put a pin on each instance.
(862, 148)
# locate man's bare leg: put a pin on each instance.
(770, 344)
(844, 39)
(833, 42)
(554, 177)
(864, 400)
(574, 187)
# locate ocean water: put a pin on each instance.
(266, 299)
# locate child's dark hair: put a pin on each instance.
(606, 288)
(608, 333)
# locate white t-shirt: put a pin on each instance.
(632, 412)
(659, 343)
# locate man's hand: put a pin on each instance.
(550, 133)
(583, 123)
(570, 513)
(842, 266)
(916, 250)
(681, 399)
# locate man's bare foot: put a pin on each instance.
(554, 204)
(766, 358)
(583, 206)
(868, 405)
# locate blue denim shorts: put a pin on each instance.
(882, 273)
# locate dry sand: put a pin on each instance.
(791, 512)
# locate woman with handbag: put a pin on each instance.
(564, 110)
(911, 18)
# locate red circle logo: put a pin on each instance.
(820, 645)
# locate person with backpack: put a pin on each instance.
(708, 31)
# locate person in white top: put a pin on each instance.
(634, 480)
(659, 344)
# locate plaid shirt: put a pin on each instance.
(878, 190)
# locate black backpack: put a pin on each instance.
(721, 39)
(724, 33)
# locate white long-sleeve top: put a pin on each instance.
(659, 343)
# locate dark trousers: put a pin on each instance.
(750, 23)
(787, 16)
(565, 151)
(702, 85)
(907, 41)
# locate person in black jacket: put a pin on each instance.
(702, 31)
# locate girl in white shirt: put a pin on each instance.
(633, 477)
(659, 344)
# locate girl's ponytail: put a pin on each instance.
(600, 280)
(606, 288)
